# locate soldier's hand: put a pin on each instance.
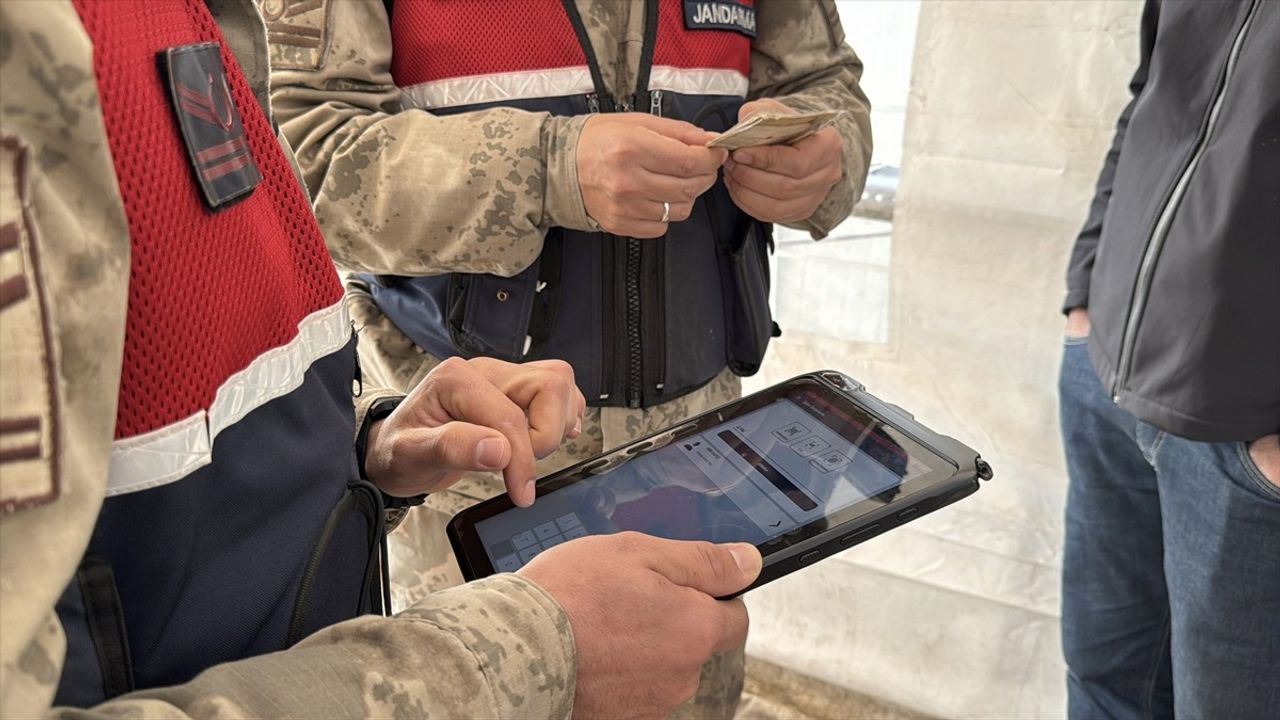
(784, 183)
(644, 616)
(480, 414)
(629, 164)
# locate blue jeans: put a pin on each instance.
(1171, 567)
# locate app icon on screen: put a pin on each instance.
(831, 461)
(811, 446)
(791, 432)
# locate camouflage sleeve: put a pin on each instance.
(801, 59)
(64, 269)
(497, 648)
(411, 193)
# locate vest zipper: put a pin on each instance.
(660, 382)
(1146, 270)
(635, 270)
(635, 254)
(635, 360)
(634, 396)
(633, 390)
(607, 381)
(608, 317)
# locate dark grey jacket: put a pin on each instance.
(1179, 260)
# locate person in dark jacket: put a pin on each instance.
(1170, 386)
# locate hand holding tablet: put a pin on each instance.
(801, 470)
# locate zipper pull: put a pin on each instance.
(357, 384)
(655, 103)
(623, 105)
(593, 103)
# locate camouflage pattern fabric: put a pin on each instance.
(415, 194)
(422, 561)
(498, 648)
(411, 193)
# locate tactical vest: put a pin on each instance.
(235, 521)
(641, 321)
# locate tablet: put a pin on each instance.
(801, 470)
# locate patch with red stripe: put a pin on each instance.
(210, 123)
(30, 452)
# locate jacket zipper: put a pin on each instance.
(1146, 270)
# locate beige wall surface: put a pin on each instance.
(955, 317)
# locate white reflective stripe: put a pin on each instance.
(172, 452)
(560, 82)
(280, 370)
(698, 81)
(498, 87)
(160, 456)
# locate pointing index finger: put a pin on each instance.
(472, 398)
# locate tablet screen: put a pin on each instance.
(752, 478)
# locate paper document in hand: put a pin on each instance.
(773, 129)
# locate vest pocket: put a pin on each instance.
(489, 315)
(749, 322)
(345, 574)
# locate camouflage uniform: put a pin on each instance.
(409, 193)
(499, 648)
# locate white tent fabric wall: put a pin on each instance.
(1011, 108)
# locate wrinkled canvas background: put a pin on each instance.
(953, 314)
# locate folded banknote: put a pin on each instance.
(768, 128)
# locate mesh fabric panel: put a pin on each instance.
(717, 49)
(439, 40)
(208, 292)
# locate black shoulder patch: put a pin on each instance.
(210, 123)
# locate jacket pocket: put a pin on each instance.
(749, 322)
